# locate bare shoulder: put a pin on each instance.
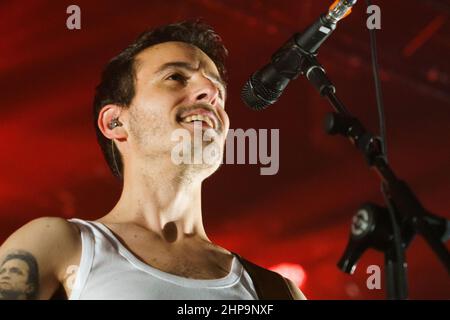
(50, 232)
(32, 258)
(295, 291)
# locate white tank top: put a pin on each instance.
(109, 271)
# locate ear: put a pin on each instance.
(107, 114)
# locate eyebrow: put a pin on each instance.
(190, 67)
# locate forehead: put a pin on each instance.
(15, 263)
(150, 59)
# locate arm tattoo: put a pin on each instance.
(19, 276)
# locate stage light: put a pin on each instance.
(292, 271)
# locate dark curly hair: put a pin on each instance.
(118, 77)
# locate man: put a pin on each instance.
(18, 276)
(152, 244)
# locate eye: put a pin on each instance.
(221, 94)
(16, 270)
(177, 77)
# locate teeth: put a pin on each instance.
(199, 117)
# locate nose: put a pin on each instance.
(206, 91)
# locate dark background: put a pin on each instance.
(51, 165)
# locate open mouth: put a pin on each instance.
(205, 118)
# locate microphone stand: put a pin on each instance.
(409, 217)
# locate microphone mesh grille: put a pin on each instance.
(251, 100)
(257, 96)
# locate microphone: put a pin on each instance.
(266, 85)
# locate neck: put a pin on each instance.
(166, 201)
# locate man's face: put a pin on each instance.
(175, 83)
(14, 275)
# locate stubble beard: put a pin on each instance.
(146, 139)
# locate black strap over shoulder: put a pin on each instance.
(269, 285)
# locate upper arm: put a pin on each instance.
(32, 257)
(295, 291)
